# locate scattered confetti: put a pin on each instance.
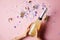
(14, 26)
(10, 19)
(19, 21)
(30, 1)
(35, 6)
(27, 8)
(35, 13)
(17, 16)
(22, 14)
(43, 6)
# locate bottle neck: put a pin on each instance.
(39, 18)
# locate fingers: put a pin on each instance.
(18, 37)
(42, 30)
(21, 36)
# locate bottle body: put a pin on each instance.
(35, 27)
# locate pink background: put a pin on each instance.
(12, 8)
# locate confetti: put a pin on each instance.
(22, 14)
(30, 1)
(10, 19)
(35, 13)
(17, 16)
(27, 8)
(19, 21)
(35, 6)
(43, 6)
(14, 26)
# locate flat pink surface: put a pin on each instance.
(12, 8)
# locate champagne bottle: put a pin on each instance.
(37, 24)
